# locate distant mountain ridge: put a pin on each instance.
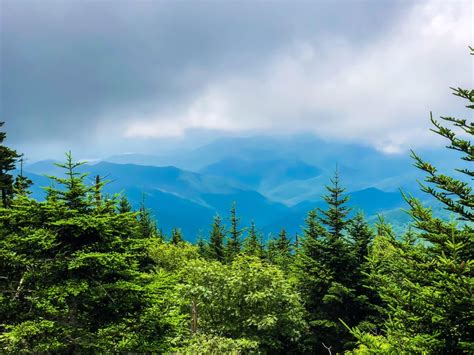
(189, 200)
(274, 181)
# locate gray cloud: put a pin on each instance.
(92, 74)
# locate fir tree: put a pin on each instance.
(147, 223)
(176, 236)
(233, 243)
(361, 236)
(75, 192)
(73, 277)
(325, 264)
(22, 183)
(124, 205)
(280, 251)
(216, 240)
(8, 157)
(202, 245)
(426, 282)
(252, 244)
(335, 217)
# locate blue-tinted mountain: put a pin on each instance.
(260, 173)
(274, 180)
(177, 198)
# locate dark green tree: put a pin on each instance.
(176, 236)
(361, 236)
(73, 277)
(313, 275)
(426, 282)
(252, 243)
(325, 265)
(335, 217)
(124, 205)
(234, 243)
(8, 158)
(75, 193)
(280, 251)
(148, 227)
(22, 183)
(216, 240)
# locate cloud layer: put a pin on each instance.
(358, 71)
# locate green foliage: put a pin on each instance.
(426, 282)
(82, 273)
(73, 276)
(234, 243)
(329, 267)
(252, 243)
(8, 158)
(247, 299)
(216, 241)
(124, 205)
(335, 216)
(280, 251)
(176, 236)
(213, 344)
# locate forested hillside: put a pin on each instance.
(82, 271)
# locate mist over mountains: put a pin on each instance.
(274, 181)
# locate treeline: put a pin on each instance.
(82, 272)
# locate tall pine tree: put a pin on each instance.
(426, 282)
(234, 243)
(216, 240)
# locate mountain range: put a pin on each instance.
(273, 181)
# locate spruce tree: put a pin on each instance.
(280, 251)
(8, 158)
(176, 236)
(335, 217)
(313, 275)
(124, 205)
(147, 223)
(73, 276)
(361, 236)
(216, 240)
(325, 266)
(22, 183)
(202, 245)
(252, 244)
(426, 279)
(234, 243)
(75, 192)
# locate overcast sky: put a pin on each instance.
(104, 77)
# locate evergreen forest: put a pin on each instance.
(84, 272)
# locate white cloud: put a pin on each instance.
(379, 94)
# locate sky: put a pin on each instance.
(110, 77)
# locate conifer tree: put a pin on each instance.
(233, 242)
(252, 244)
(216, 240)
(335, 217)
(280, 251)
(22, 183)
(73, 277)
(176, 236)
(283, 244)
(202, 245)
(75, 192)
(426, 282)
(8, 158)
(325, 266)
(361, 236)
(124, 205)
(147, 223)
(313, 275)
